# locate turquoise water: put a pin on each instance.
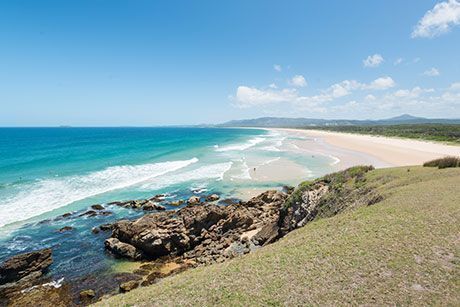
(45, 172)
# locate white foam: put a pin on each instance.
(244, 175)
(276, 144)
(271, 161)
(336, 160)
(213, 171)
(239, 147)
(50, 194)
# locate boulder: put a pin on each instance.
(129, 285)
(158, 198)
(153, 206)
(20, 266)
(89, 213)
(267, 234)
(176, 203)
(97, 207)
(87, 295)
(106, 227)
(122, 249)
(193, 200)
(65, 229)
(213, 197)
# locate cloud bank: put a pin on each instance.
(438, 20)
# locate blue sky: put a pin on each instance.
(134, 62)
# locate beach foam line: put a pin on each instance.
(271, 161)
(336, 160)
(244, 175)
(242, 146)
(49, 194)
(208, 172)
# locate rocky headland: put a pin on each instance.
(201, 232)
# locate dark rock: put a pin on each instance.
(65, 229)
(87, 295)
(129, 285)
(95, 230)
(122, 249)
(106, 227)
(65, 215)
(97, 207)
(20, 266)
(229, 201)
(115, 203)
(213, 197)
(42, 296)
(105, 213)
(168, 233)
(153, 206)
(158, 198)
(89, 213)
(193, 200)
(267, 234)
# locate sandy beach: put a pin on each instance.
(352, 149)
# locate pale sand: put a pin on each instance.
(354, 149)
(344, 150)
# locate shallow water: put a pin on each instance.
(45, 172)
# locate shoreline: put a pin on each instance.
(379, 150)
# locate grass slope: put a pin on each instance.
(403, 250)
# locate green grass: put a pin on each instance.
(403, 250)
(431, 132)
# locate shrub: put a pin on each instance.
(443, 162)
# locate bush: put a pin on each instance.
(443, 162)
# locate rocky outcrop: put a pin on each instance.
(23, 265)
(23, 271)
(129, 285)
(325, 197)
(123, 249)
(202, 233)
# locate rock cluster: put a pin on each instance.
(145, 204)
(204, 233)
(23, 271)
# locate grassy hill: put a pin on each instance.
(403, 250)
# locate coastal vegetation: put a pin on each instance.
(400, 250)
(443, 162)
(449, 133)
(360, 236)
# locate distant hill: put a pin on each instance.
(286, 122)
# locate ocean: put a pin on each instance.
(46, 172)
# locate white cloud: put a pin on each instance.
(433, 72)
(370, 97)
(273, 85)
(413, 93)
(373, 60)
(277, 67)
(455, 86)
(439, 20)
(398, 61)
(298, 80)
(251, 96)
(382, 83)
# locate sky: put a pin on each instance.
(143, 63)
